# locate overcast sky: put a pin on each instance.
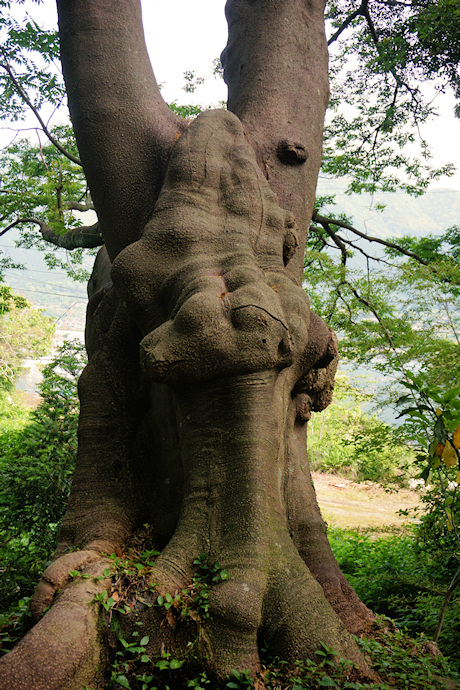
(183, 35)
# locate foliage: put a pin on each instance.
(13, 415)
(344, 440)
(40, 184)
(397, 659)
(441, 252)
(24, 332)
(382, 52)
(395, 575)
(392, 313)
(437, 433)
(32, 53)
(35, 470)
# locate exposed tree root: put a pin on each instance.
(63, 650)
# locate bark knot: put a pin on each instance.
(291, 153)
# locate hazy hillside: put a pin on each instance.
(433, 212)
(61, 297)
(66, 300)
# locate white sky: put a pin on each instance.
(183, 35)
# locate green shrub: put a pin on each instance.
(36, 465)
(393, 577)
(344, 440)
(24, 332)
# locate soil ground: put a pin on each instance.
(347, 504)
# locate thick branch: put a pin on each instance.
(29, 103)
(84, 237)
(123, 127)
(77, 206)
(337, 241)
(275, 65)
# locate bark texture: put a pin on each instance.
(205, 360)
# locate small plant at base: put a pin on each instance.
(132, 654)
(206, 575)
(132, 665)
(240, 679)
(199, 682)
(192, 602)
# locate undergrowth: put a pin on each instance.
(396, 576)
(344, 440)
(399, 660)
(37, 457)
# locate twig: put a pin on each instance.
(28, 102)
(333, 221)
(452, 587)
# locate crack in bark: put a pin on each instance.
(256, 306)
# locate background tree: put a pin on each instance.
(24, 332)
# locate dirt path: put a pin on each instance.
(344, 503)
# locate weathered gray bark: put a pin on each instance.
(204, 357)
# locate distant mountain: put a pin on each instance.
(66, 300)
(433, 212)
(52, 290)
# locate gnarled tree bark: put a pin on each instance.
(205, 360)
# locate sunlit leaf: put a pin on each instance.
(457, 437)
(449, 455)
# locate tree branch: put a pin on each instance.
(124, 129)
(452, 587)
(77, 206)
(29, 103)
(337, 241)
(347, 22)
(366, 14)
(84, 237)
(322, 220)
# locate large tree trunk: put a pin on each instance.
(204, 357)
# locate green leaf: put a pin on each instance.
(123, 681)
(327, 682)
(162, 664)
(439, 430)
(425, 474)
(175, 663)
(144, 641)
(451, 394)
